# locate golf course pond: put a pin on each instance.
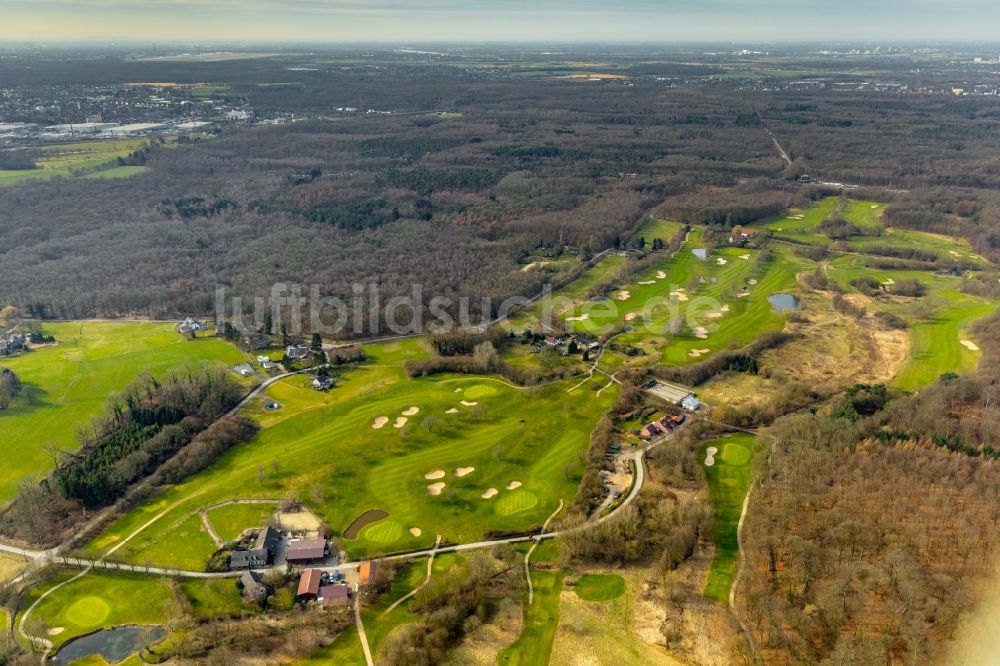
(783, 302)
(113, 645)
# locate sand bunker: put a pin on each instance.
(623, 295)
(970, 345)
(725, 308)
(380, 422)
(710, 456)
(889, 282)
(453, 410)
(745, 257)
(400, 422)
(751, 281)
(743, 294)
(632, 315)
(874, 206)
(679, 295)
(695, 353)
(580, 318)
(700, 332)
(513, 485)
(954, 253)
(715, 315)
(721, 261)
(435, 488)
(660, 275)
(55, 631)
(490, 494)
(416, 531)
(412, 411)
(458, 390)
(435, 475)
(464, 471)
(645, 282)
(469, 404)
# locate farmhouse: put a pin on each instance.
(297, 352)
(307, 551)
(190, 326)
(253, 588)
(323, 383)
(309, 585)
(741, 235)
(266, 363)
(651, 430)
(12, 344)
(243, 370)
(262, 554)
(334, 595)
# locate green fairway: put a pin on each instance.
(599, 587)
(118, 172)
(67, 160)
(67, 384)
(728, 480)
(534, 645)
(324, 448)
(97, 601)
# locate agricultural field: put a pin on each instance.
(68, 383)
(728, 466)
(69, 160)
(451, 455)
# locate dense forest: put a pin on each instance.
(477, 173)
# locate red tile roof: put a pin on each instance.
(311, 549)
(309, 583)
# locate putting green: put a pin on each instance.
(736, 454)
(515, 502)
(386, 531)
(478, 392)
(88, 611)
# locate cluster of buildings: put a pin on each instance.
(270, 547)
(742, 236)
(13, 343)
(661, 426)
(567, 344)
(190, 327)
(328, 590)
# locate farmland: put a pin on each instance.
(68, 383)
(69, 160)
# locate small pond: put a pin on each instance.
(783, 302)
(700, 252)
(113, 645)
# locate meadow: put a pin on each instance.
(728, 478)
(67, 384)
(67, 160)
(521, 448)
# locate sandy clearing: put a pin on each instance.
(435, 488)
(745, 257)
(721, 261)
(490, 493)
(710, 456)
(453, 410)
(412, 411)
(679, 295)
(435, 475)
(647, 282)
(513, 485)
(632, 315)
(416, 531)
(623, 295)
(400, 422)
(467, 403)
(464, 471)
(660, 275)
(380, 422)
(700, 332)
(970, 345)
(580, 318)
(695, 353)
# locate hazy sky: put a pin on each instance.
(506, 20)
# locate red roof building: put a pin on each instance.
(307, 551)
(309, 584)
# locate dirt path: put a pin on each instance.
(219, 542)
(430, 571)
(361, 629)
(527, 556)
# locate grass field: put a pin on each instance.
(323, 448)
(10, 567)
(213, 598)
(68, 384)
(99, 600)
(66, 160)
(599, 587)
(541, 618)
(118, 172)
(728, 480)
(230, 520)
